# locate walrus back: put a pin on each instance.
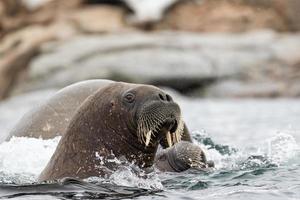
(51, 118)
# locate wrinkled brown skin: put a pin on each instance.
(101, 125)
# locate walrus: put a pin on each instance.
(105, 119)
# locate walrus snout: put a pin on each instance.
(160, 121)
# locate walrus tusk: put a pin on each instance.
(177, 137)
(169, 140)
(148, 138)
(174, 139)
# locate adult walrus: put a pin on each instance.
(114, 120)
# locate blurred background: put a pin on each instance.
(200, 48)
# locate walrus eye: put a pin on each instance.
(129, 97)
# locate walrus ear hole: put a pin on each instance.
(129, 97)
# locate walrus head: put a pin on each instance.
(160, 119)
(156, 118)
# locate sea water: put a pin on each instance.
(254, 144)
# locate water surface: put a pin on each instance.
(254, 143)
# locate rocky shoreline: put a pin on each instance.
(254, 64)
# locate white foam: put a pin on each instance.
(282, 148)
(126, 177)
(22, 159)
(25, 156)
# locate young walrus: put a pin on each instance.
(101, 120)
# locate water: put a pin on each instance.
(254, 143)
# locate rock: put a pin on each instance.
(11, 14)
(19, 49)
(98, 19)
(289, 10)
(9, 8)
(278, 78)
(186, 62)
(14, 63)
(252, 89)
(238, 89)
(221, 16)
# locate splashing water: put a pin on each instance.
(255, 171)
(279, 150)
(22, 159)
(127, 177)
(282, 148)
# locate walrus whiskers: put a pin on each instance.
(146, 127)
(151, 121)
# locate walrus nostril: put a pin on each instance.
(165, 97)
(169, 98)
(161, 97)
